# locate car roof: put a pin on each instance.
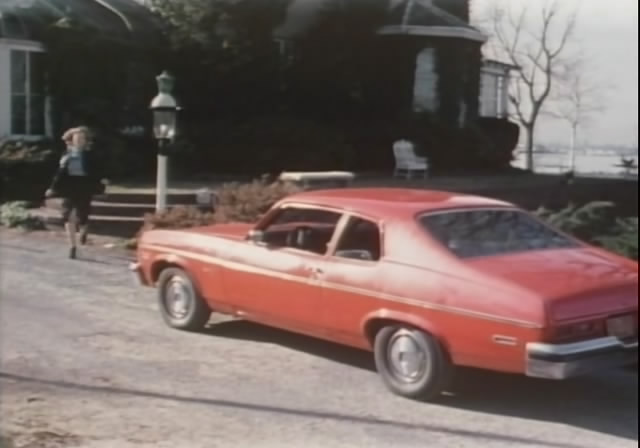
(393, 202)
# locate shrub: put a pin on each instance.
(247, 202)
(236, 202)
(124, 157)
(16, 214)
(180, 217)
(586, 222)
(25, 169)
(485, 146)
(263, 145)
(20, 151)
(595, 223)
(624, 238)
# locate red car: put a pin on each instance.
(426, 280)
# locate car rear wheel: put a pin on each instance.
(181, 306)
(411, 363)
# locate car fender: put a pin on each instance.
(169, 259)
(410, 319)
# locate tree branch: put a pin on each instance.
(537, 47)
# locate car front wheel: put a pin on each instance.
(411, 363)
(181, 306)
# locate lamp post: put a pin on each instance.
(165, 111)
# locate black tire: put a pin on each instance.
(435, 369)
(193, 313)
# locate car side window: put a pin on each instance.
(360, 241)
(302, 228)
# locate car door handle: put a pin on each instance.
(315, 270)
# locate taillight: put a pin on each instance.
(578, 331)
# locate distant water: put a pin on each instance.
(586, 164)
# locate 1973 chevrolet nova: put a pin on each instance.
(426, 280)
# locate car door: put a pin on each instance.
(352, 271)
(275, 281)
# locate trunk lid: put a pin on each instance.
(573, 283)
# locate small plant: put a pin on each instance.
(20, 151)
(624, 238)
(177, 218)
(586, 222)
(595, 223)
(16, 215)
(26, 169)
(235, 202)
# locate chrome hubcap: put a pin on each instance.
(177, 298)
(407, 360)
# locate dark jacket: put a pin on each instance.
(65, 185)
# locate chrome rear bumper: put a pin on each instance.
(562, 361)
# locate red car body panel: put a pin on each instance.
(484, 311)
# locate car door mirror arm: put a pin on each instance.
(256, 236)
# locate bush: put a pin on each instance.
(16, 215)
(123, 157)
(262, 145)
(587, 222)
(595, 223)
(181, 217)
(624, 238)
(485, 146)
(25, 169)
(14, 151)
(236, 202)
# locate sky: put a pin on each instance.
(607, 33)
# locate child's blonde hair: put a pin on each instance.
(67, 137)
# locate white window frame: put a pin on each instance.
(499, 74)
(27, 47)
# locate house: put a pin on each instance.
(26, 106)
(494, 89)
(427, 51)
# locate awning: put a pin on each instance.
(121, 20)
(424, 18)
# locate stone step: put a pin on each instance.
(117, 226)
(124, 209)
(122, 197)
(121, 209)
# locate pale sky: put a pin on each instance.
(608, 34)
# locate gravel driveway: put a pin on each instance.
(86, 361)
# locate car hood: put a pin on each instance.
(573, 283)
(235, 231)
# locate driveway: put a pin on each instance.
(86, 361)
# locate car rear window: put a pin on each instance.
(479, 233)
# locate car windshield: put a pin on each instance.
(480, 233)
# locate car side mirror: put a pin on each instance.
(256, 236)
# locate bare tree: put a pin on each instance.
(577, 100)
(537, 43)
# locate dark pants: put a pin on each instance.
(81, 205)
(79, 200)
